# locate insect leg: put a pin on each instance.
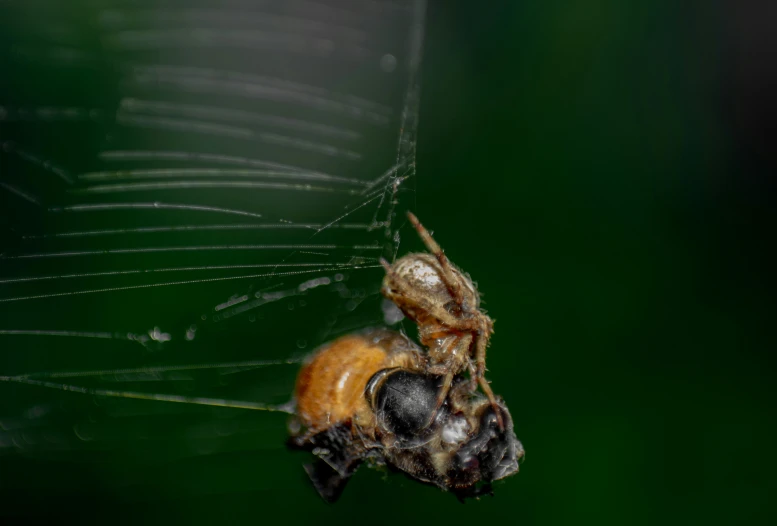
(338, 458)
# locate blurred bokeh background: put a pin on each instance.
(604, 170)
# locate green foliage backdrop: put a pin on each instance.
(576, 158)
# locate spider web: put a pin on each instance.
(192, 192)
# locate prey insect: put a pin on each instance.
(379, 398)
(368, 398)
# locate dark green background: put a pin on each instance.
(592, 181)
(580, 160)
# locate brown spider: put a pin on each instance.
(444, 303)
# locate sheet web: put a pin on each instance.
(195, 195)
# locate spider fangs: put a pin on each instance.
(445, 305)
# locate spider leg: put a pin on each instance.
(447, 381)
(482, 336)
(491, 398)
(473, 376)
(387, 266)
(453, 366)
(481, 343)
(451, 281)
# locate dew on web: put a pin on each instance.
(193, 199)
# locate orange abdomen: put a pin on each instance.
(330, 387)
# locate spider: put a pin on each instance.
(444, 303)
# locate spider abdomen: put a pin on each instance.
(422, 271)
